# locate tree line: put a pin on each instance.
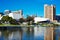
(10, 20)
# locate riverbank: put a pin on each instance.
(12, 25)
(49, 25)
(26, 25)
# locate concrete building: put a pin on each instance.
(49, 12)
(16, 14)
(40, 19)
(6, 12)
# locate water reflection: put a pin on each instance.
(27, 33)
(39, 33)
(57, 33)
(15, 36)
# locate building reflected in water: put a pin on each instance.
(31, 33)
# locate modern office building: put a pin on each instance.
(16, 14)
(6, 12)
(50, 12)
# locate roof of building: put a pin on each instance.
(41, 19)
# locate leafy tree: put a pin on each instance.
(0, 22)
(30, 18)
(21, 20)
(5, 19)
(9, 19)
(13, 21)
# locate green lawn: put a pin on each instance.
(7, 25)
(22, 25)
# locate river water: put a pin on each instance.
(26, 33)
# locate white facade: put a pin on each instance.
(16, 14)
(1, 17)
(39, 19)
(6, 12)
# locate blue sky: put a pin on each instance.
(29, 7)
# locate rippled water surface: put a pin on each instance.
(26, 33)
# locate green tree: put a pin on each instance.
(21, 20)
(8, 19)
(5, 19)
(13, 21)
(30, 19)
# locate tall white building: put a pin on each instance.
(16, 14)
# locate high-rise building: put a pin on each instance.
(49, 12)
(6, 12)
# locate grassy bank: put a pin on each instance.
(49, 25)
(26, 25)
(12, 25)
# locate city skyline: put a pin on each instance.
(29, 7)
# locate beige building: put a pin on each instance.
(49, 12)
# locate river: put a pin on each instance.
(27, 33)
